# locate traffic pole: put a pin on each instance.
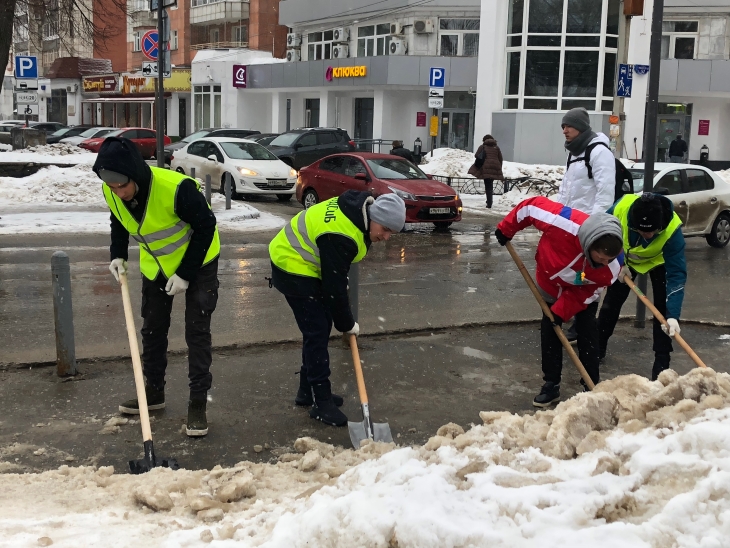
(160, 122)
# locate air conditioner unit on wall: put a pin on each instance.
(423, 26)
(293, 55)
(398, 46)
(341, 52)
(396, 28)
(293, 40)
(73, 88)
(341, 34)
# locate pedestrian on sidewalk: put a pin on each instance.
(179, 245)
(310, 260)
(399, 150)
(677, 150)
(578, 256)
(654, 244)
(589, 183)
(488, 166)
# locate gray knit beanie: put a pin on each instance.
(389, 210)
(577, 118)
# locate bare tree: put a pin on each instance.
(70, 22)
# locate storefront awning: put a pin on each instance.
(123, 99)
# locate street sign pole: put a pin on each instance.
(160, 124)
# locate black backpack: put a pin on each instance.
(624, 181)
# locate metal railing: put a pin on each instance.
(374, 145)
(469, 185)
(219, 45)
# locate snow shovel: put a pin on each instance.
(546, 310)
(140, 466)
(658, 316)
(365, 430)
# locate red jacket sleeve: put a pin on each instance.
(539, 212)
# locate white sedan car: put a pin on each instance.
(701, 198)
(91, 133)
(253, 168)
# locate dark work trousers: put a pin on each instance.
(315, 323)
(614, 300)
(489, 189)
(201, 298)
(552, 348)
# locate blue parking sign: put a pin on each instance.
(26, 67)
(625, 80)
(437, 77)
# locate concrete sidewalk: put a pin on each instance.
(415, 382)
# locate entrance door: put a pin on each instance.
(457, 129)
(364, 110)
(668, 127)
(182, 117)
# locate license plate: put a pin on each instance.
(439, 210)
(276, 182)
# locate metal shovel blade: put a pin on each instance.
(150, 461)
(358, 432)
(365, 430)
(381, 432)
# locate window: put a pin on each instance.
(679, 39)
(240, 33)
(131, 134)
(311, 113)
(247, 151)
(173, 40)
(326, 138)
(308, 140)
(197, 148)
(215, 35)
(146, 134)
(320, 45)
(373, 40)
(207, 106)
(559, 55)
(197, 3)
(698, 180)
(459, 37)
(672, 181)
(332, 164)
(354, 166)
(137, 41)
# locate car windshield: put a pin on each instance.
(60, 132)
(90, 132)
(638, 176)
(247, 151)
(114, 133)
(194, 136)
(395, 169)
(285, 140)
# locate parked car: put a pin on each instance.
(48, 127)
(701, 198)
(264, 138)
(88, 134)
(253, 168)
(66, 132)
(300, 147)
(12, 123)
(426, 200)
(145, 139)
(185, 141)
(233, 132)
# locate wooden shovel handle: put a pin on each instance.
(144, 416)
(658, 316)
(358, 370)
(546, 310)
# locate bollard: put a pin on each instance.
(207, 188)
(63, 315)
(228, 190)
(640, 320)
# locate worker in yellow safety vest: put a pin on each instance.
(179, 245)
(311, 258)
(654, 245)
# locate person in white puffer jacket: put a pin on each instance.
(579, 190)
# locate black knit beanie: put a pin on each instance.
(647, 213)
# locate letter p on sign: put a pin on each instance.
(26, 67)
(437, 77)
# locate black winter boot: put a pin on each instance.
(549, 394)
(305, 398)
(324, 407)
(155, 400)
(197, 425)
(661, 362)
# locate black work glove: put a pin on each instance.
(557, 320)
(501, 238)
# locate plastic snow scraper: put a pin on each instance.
(140, 466)
(365, 430)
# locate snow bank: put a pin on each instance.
(725, 174)
(54, 185)
(634, 463)
(57, 152)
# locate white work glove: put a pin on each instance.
(625, 271)
(355, 330)
(176, 285)
(671, 328)
(117, 267)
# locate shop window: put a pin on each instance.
(311, 113)
(580, 73)
(542, 73)
(207, 106)
(137, 41)
(373, 40)
(319, 45)
(459, 37)
(679, 39)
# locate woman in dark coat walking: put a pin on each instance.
(488, 166)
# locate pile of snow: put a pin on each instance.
(51, 185)
(725, 174)
(634, 463)
(62, 153)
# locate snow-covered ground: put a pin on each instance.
(633, 464)
(59, 152)
(70, 199)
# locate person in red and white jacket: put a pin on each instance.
(578, 256)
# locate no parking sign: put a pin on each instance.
(149, 45)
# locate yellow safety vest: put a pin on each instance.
(163, 237)
(643, 259)
(294, 249)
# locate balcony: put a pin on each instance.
(218, 11)
(219, 45)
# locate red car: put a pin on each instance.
(426, 200)
(145, 139)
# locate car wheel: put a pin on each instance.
(180, 170)
(284, 197)
(310, 198)
(442, 225)
(234, 194)
(720, 234)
